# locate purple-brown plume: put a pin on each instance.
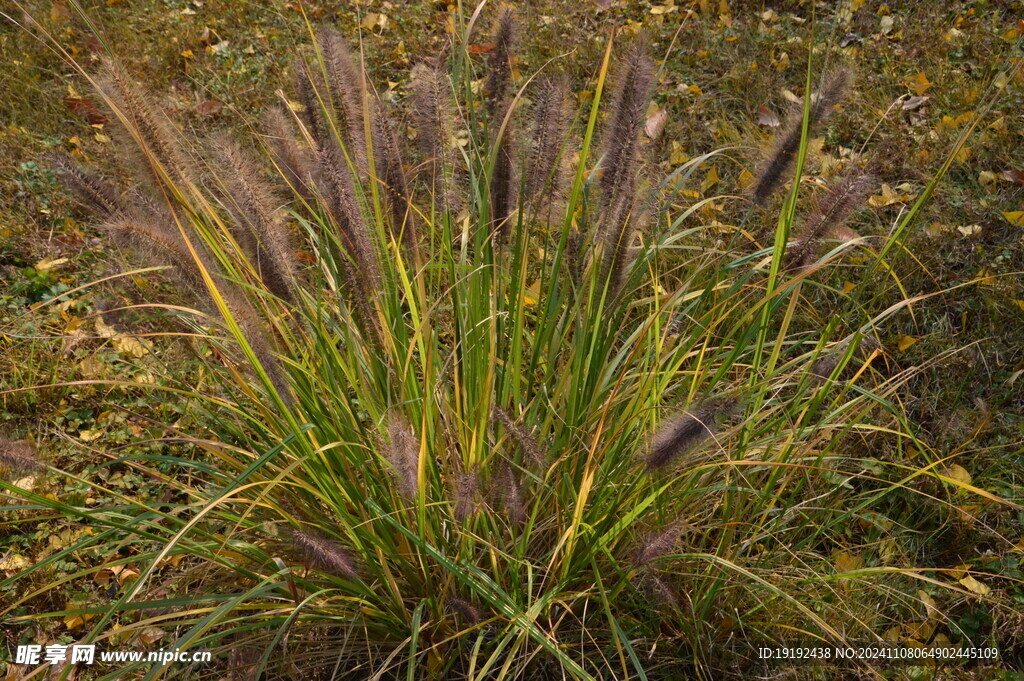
(688, 429)
(829, 214)
(404, 453)
(19, 457)
(323, 552)
(775, 169)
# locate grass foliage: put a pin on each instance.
(485, 407)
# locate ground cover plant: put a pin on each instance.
(475, 390)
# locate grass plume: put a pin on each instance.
(403, 453)
(467, 494)
(533, 452)
(618, 183)
(507, 493)
(292, 160)
(660, 544)
(775, 169)
(95, 191)
(155, 143)
(503, 186)
(499, 65)
(323, 552)
(391, 173)
(830, 213)
(679, 434)
(19, 457)
(544, 166)
(258, 222)
(431, 111)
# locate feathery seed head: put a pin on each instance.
(830, 213)
(96, 191)
(323, 552)
(545, 165)
(153, 142)
(258, 222)
(533, 452)
(391, 174)
(688, 429)
(292, 160)
(775, 169)
(431, 112)
(618, 182)
(404, 453)
(507, 493)
(499, 64)
(19, 457)
(660, 544)
(346, 89)
(464, 609)
(467, 494)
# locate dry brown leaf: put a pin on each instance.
(767, 118)
(655, 124)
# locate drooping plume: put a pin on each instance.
(153, 141)
(391, 175)
(775, 169)
(466, 610)
(96, 191)
(161, 243)
(323, 552)
(292, 160)
(545, 163)
(404, 453)
(621, 142)
(533, 452)
(690, 428)
(664, 595)
(660, 544)
(829, 214)
(258, 222)
(19, 457)
(431, 111)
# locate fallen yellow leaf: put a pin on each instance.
(973, 585)
(929, 603)
(103, 330)
(14, 563)
(846, 562)
(89, 435)
(905, 342)
(887, 197)
(919, 83)
(532, 294)
(1015, 217)
(958, 473)
(48, 264)
(710, 180)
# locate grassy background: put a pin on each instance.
(216, 64)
